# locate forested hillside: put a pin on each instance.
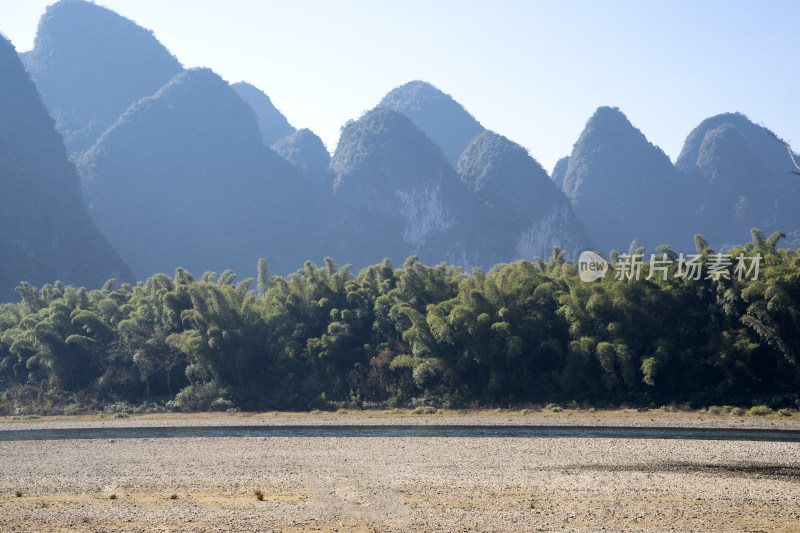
(523, 332)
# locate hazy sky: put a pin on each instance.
(532, 71)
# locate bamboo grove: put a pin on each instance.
(525, 332)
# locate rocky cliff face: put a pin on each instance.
(387, 170)
(528, 214)
(45, 232)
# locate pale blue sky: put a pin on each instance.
(532, 71)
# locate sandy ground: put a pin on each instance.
(399, 484)
(544, 417)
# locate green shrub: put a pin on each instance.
(526, 411)
(424, 410)
(784, 412)
(715, 410)
(736, 411)
(221, 404)
(315, 412)
(759, 410)
(728, 408)
(342, 411)
(198, 396)
(73, 409)
(554, 407)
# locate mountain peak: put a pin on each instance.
(306, 152)
(271, 122)
(89, 63)
(437, 114)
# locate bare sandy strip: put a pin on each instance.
(544, 417)
(396, 484)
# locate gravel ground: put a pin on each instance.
(396, 484)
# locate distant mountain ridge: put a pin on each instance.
(179, 168)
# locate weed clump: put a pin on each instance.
(737, 411)
(259, 495)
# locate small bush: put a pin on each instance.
(736, 411)
(259, 495)
(221, 404)
(554, 407)
(572, 405)
(342, 411)
(784, 412)
(424, 410)
(759, 410)
(715, 410)
(315, 412)
(73, 409)
(728, 408)
(526, 411)
(112, 496)
(18, 493)
(173, 496)
(200, 397)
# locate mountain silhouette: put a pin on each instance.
(441, 118)
(307, 153)
(740, 176)
(90, 64)
(183, 180)
(45, 233)
(400, 196)
(624, 189)
(526, 212)
(271, 122)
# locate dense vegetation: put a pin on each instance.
(523, 332)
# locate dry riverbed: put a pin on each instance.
(402, 484)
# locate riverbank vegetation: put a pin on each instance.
(416, 336)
